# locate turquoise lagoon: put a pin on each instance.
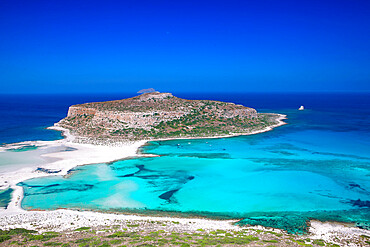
(316, 167)
(5, 197)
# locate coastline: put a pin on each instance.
(102, 154)
(64, 219)
(83, 154)
(279, 120)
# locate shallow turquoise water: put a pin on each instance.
(5, 196)
(318, 167)
(236, 177)
(16, 158)
(23, 148)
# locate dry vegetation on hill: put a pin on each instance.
(162, 115)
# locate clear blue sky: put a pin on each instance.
(222, 46)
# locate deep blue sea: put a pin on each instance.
(315, 167)
(25, 117)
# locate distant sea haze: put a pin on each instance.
(316, 166)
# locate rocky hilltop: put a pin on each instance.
(157, 115)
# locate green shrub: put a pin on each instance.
(51, 233)
(271, 241)
(105, 245)
(83, 240)
(115, 241)
(319, 242)
(134, 225)
(36, 237)
(20, 231)
(83, 228)
(4, 238)
(119, 235)
(52, 244)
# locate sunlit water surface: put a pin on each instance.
(317, 166)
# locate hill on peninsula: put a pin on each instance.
(157, 115)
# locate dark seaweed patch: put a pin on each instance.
(203, 155)
(38, 186)
(353, 185)
(356, 186)
(127, 175)
(360, 203)
(311, 165)
(342, 155)
(5, 197)
(163, 179)
(283, 153)
(79, 187)
(40, 169)
(149, 176)
(167, 195)
(286, 146)
(141, 169)
(48, 186)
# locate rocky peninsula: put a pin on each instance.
(155, 115)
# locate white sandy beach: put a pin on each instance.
(59, 220)
(82, 155)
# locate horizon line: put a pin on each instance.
(187, 92)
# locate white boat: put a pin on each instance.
(301, 108)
